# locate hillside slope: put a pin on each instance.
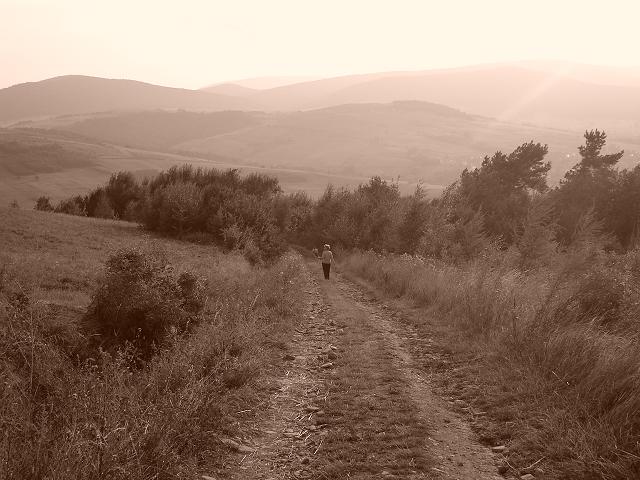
(60, 164)
(161, 129)
(413, 140)
(76, 94)
(416, 141)
(546, 94)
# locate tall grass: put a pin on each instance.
(63, 415)
(574, 325)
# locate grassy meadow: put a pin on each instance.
(550, 355)
(36, 172)
(70, 411)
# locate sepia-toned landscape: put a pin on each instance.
(339, 241)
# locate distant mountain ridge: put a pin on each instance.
(514, 93)
(410, 139)
(551, 94)
(76, 94)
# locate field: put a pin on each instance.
(96, 161)
(415, 141)
(63, 411)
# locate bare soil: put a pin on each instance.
(353, 400)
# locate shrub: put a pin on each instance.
(142, 300)
(72, 206)
(180, 208)
(97, 419)
(43, 204)
(103, 208)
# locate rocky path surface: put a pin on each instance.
(353, 402)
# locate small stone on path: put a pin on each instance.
(237, 447)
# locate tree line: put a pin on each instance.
(505, 202)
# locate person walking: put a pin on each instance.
(327, 258)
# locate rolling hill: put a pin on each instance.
(231, 89)
(412, 140)
(60, 164)
(555, 94)
(77, 94)
(340, 130)
(416, 141)
(506, 92)
(158, 130)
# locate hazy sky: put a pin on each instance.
(192, 43)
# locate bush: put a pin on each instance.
(72, 206)
(103, 208)
(142, 300)
(61, 418)
(43, 204)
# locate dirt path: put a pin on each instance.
(354, 404)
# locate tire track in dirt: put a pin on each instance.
(290, 433)
(452, 443)
(353, 402)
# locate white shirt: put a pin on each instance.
(327, 256)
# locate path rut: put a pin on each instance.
(347, 333)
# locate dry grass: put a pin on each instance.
(63, 417)
(551, 355)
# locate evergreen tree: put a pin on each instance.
(500, 187)
(589, 185)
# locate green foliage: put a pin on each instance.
(43, 204)
(535, 239)
(103, 207)
(623, 212)
(293, 216)
(72, 206)
(590, 153)
(589, 185)
(500, 187)
(237, 211)
(247, 213)
(411, 229)
(455, 241)
(365, 218)
(121, 190)
(142, 300)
